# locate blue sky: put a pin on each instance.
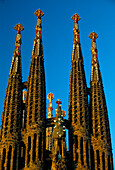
(57, 36)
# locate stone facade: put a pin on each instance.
(30, 141)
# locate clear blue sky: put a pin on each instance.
(57, 36)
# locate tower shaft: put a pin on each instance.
(101, 140)
(78, 106)
(12, 111)
(35, 132)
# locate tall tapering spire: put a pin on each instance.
(36, 101)
(78, 104)
(36, 80)
(77, 77)
(100, 123)
(12, 104)
(12, 111)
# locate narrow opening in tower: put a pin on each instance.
(9, 157)
(109, 165)
(40, 145)
(103, 160)
(76, 147)
(67, 139)
(87, 153)
(24, 96)
(4, 157)
(81, 150)
(98, 158)
(29, 148)
(22, 155)
(15, 157)
(34, 147)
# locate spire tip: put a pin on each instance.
(19, 27)
(38, 13)
(75, 17)
(50, 95)
(93, 35)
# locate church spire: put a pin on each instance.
(78, 102)
(77, 77)
(36, 99)
(11, 119)
(100, 123)
(36, 80)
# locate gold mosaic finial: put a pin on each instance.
(50, 108)
(93, 36)
(76, 18)
(58, 102)
(50, 97)
(19, 27)
(39, 13)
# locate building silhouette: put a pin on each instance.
(29, 140)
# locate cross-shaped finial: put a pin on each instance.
(75, 17)
(59, 102)
(93, 36)
(39, 13)
(19, 27)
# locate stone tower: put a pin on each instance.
(34, 133)
(29, 141)
(100, 138)
(79, 136)
(12, 111)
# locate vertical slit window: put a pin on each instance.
(81, 150)
(4, 157)
(9, 158)
(15, 158)
(29, 148)
(76, 147)
(34, 148)
(40, 144)
(98, 159)
(109, 165)
(103, 160)
(87, 153)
